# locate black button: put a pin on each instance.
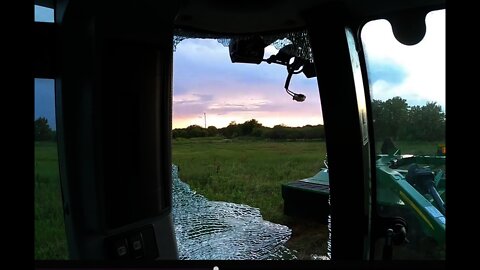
(120, 247)
(136, 245)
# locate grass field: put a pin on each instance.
(50, 238)
(242, 171)
(248, 172)
(415, 147)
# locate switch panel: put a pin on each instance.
(133, 245)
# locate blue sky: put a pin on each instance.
(422, 65)
(205, 80)
(45, 100)
(43, 14)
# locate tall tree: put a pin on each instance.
(413, 129)
(212, 131)
(246, 128)
(395, 111)
(231, 130)
(193, 131)
(43, 132)
(430, 124)
(379, 119)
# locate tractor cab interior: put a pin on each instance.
(113, 66)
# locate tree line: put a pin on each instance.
(252, 128)
(394, 118)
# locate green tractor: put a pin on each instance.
(410, 187)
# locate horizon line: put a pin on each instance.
(318, 124)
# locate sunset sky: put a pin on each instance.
(205, 80)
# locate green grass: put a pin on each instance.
(248, 172)
(417, 147)
(50, 238)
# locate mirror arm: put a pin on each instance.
(295, 96)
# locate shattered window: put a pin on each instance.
(213, 230)
(300, 39)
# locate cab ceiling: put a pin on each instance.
(241, 16)
(270, 15)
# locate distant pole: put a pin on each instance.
(205, 117)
